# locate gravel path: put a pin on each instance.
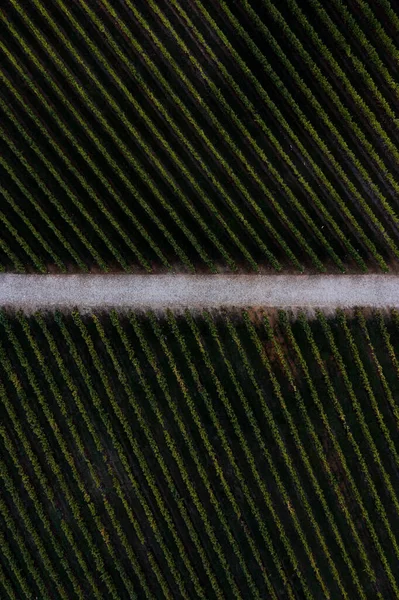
(31, 292)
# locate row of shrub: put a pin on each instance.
(199, 454)
(256, 214)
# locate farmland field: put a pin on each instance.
(196, 455)
(201, 136)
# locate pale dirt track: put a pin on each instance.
(33, 292)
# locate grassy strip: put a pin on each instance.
(126, 180)
(387, 340)
(367, 434)
(182, 138)
(154, 446)
(26, 555)
(283, 450)
(201, 470)
(75, 171)
(227, 448)
(142, 462)
(46, 190)
(357, 31)
(40, 511)
(282, 122)
(47, 488)
(363, 465)
(56, 470)
(33, 229)
(344, 111)
(119, 143)
(61, 124)
(332, 479)
(393, 406)
(97, 403)
(220, 159)
(221, 130)
(48, 376)
(366, 382)
(263, 157)
(171, 181)
(30, 528)
(24, 245)
(323, 115)
(359, 68)
(20, 578)
(244, 445)
(18, 266)
(43, 214)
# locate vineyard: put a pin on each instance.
(159, 135)
(213, 454)
(197, 455)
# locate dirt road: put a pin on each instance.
(32, 292)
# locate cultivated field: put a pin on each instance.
(158, 134)
(214, 454)
(223, 455)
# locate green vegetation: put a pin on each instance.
(156, 136)
(224, 455)
(214, 455)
